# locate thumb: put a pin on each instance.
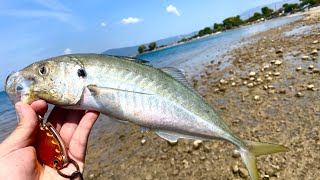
(25, 133)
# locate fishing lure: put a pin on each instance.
(52, 151)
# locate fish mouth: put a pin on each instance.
(17, 87)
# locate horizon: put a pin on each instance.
(42, 29)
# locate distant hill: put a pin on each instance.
(126, 51)
(276, 5)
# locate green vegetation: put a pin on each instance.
(205, 31)
(232, 22)
(256, 16)
(310, 2)
(290, 7)
(267, 12)
(152, 46)
(236, 21)
(141, 48)
(217, 27)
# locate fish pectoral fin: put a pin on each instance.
(168, 136)
(102, 90)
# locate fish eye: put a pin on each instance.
(43, 70)
(19, 87)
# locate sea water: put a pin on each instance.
(208, 48)
(185, 55)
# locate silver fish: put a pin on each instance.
(158, 99)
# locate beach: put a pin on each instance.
(269, 91)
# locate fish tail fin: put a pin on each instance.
(254, 149)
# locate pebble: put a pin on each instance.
(299, 94)
(143, 141)
(282, 91)
(236, 154)
(271, 91)
(91, 176)
(299, 68)
(259, 80)
(271, 87)
(185, 163)
(315, 42)
(305, 57)
(279, 51)
(276, 73)
(222, 81)
(314, 52)
(197, 144)
(256, 97)
(278, 62)
(269, 78)
(310, 87)
(311, 66)
(265, 67)
(316, 70)
(250, 85)
(235, 169)
(252, 73)
(233, 84)
(245, 82)
(252, 79)
(243, 173)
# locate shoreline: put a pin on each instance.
(280, 104)
(316, 9)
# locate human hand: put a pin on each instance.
(18, 158)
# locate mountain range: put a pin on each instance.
(126, 51)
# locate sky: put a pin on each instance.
(32, 30)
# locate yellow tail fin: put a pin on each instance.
(254, 149)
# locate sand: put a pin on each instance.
(270, 93)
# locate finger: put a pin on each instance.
(70, 124)
(57, 117)
(78, 144)
(40, 107)
(24, 134)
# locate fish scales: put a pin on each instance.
(158, 99)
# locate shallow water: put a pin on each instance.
(205, 49)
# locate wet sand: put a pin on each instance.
(270, 92)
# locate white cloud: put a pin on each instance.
(67, 51)
(172, 9)
(103, 24)
(131, 20)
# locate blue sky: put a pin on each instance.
(32, 30)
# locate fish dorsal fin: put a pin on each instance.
(177, 74)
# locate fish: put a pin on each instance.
(158, 99)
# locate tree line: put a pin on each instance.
(236, 21)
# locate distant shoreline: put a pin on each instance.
(305, 13)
